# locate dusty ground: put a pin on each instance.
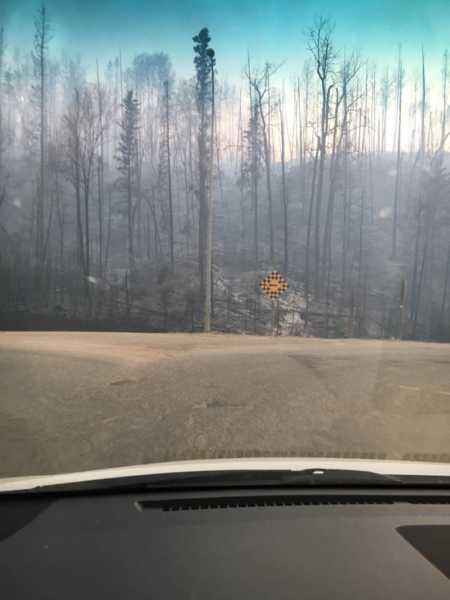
(73, 401)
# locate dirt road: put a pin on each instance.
(74, 401)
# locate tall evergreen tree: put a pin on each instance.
(203, 100)
(204, 61)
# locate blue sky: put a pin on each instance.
(268, 29)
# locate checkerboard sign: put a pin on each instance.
(273, 285)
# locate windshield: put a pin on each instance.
(224, 232)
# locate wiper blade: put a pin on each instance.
(245, 479)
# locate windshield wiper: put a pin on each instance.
(248, 479)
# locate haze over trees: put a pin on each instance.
(131, 198)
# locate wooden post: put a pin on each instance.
(278, 316)
(402, 307)
(273, 316)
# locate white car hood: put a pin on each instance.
(383, 467)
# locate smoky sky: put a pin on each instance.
(268, 29)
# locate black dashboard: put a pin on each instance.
(227, 544)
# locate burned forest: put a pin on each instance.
(135, 198)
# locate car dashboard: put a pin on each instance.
(221, 544)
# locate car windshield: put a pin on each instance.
(224, 232)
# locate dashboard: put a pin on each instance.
(225, 545)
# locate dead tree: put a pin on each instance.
(444, 95)
(2, 136)
(260, 83)
(422, 109)
(250, 171)
(126, 156)
(39, 55)
(100, 175)
(347, 73)
(169, 173)
(385, 96)
(320, 46)
(309, 231)
(284, 198)
(72, 121)
(445, 288)
(400, 83)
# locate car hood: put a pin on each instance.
(382, 467)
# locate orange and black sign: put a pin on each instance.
(273, 285)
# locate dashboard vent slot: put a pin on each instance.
(212, 503)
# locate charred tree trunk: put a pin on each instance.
(284, 199)
(445, 288)
(100, 179)
(169, 177)
(2, 53)
(254, 184)
(41, 38)
(209, 231)
(309, 231)
(444, 97)
(400, 76)
(267, 161)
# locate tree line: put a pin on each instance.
(125, 190)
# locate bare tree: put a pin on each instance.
(347, 74)
(100, 174)
(41, 41)
(251, 163)
(126, 157)
(72, 122)
(320, 45)
(385, 91)
(2, 135)
(422, 109)
(444, 95)
(400, 83)
(309, 230)
(284, 196)
(169, 174)
(260, 83)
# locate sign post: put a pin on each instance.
(402, 307)
(274, 318)
(273, 286)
